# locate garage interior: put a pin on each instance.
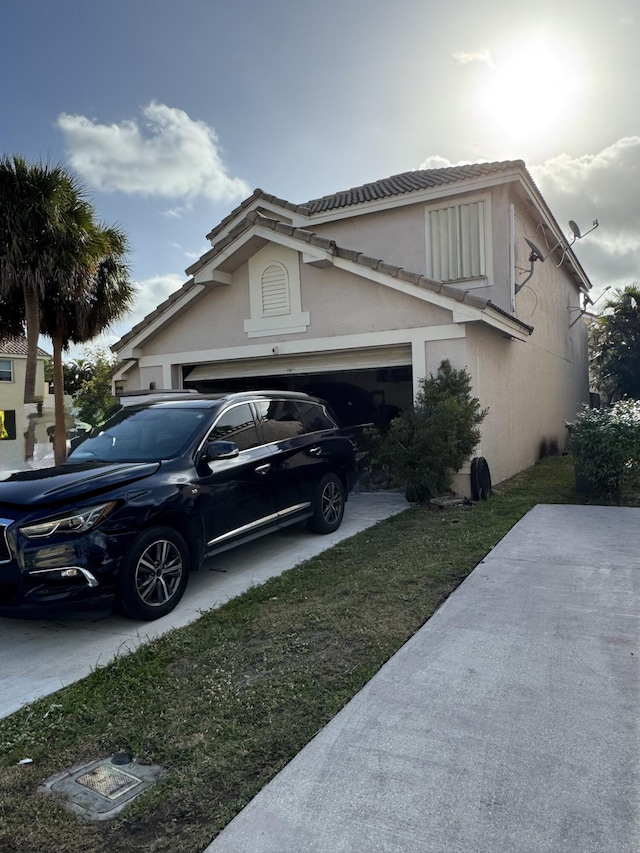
(365, 396)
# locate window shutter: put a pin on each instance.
(458, 242)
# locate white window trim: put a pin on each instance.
(296, 320)
(467, 283)
(11, 370)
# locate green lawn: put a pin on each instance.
(225, 703)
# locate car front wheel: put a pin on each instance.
(328, 506)
(154, 576)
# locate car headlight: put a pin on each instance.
(77, 522)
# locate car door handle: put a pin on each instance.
(315, 451)
(263, 469)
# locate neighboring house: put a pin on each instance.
(14, 415)
(369, 289)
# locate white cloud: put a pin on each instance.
(435, 162)
(151, 292)
(600, 186)
(168, 155)
(467, 57)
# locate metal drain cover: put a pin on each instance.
(109, 781)
(101, 789)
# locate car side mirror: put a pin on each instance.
(220, 450)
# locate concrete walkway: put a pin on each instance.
(509, 723)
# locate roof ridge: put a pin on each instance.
(411, 181)
(394, 185)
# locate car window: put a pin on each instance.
(141, 435)
(282, 419)
(236, 424)
(315, 417)
(279, 419)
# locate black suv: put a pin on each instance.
(159, 487)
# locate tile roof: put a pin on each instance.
(257, 193)
(313, 239)
(17, 345)
(407, 182)
(456, 293)
(396, 185)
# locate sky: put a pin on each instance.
(170, 113)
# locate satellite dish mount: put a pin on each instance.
(537, 255)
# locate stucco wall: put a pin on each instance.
(12, 393)
(530, 393)
(342, 303)
(338, 302)
(398, 237)
(531, 387)
(12, 452)
(395, 236)
(213, 321)
(150, 377)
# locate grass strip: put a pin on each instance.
(226, 702)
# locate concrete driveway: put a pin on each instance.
(510, 723)
(39, 657)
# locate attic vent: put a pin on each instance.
(275, 291)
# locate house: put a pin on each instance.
(17, 421)
(370, 288)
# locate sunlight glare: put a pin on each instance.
(529, 91)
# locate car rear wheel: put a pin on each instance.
(328, 505)
(154, 576)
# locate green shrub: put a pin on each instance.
(605, 444)
(426, 445)
(93, 398)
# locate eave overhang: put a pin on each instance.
(257, 230)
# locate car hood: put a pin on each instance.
(68, 482)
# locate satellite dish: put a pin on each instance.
(575, 229)
(536, 254)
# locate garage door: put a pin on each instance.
(291, 365)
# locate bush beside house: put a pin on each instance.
(605, 444)
(426, 445)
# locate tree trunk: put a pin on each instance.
(60, 435)
(32, 317)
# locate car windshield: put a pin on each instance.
(141, 435)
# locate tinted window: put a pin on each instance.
(141, 435)
(314, 417)
(236, 424)
(287, 418)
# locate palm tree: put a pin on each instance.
(11, 318)
(36, 203)
(98, 293)
(615, 345)
(62, 273)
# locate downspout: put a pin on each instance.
(512, 257)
